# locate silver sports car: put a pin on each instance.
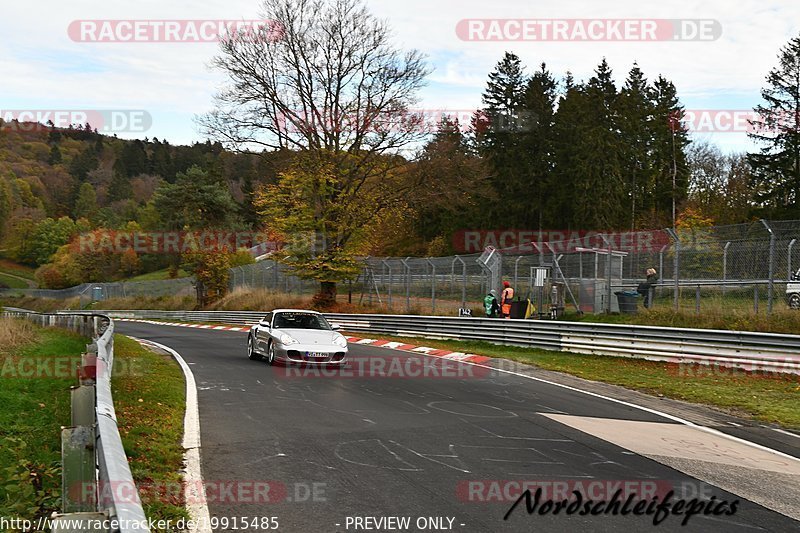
(296, 336)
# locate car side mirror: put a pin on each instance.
(336, 327)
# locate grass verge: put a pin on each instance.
(771, 398)
(6, 265)
(149, 397)
(34, 404)
(12, 282)
(157, 275)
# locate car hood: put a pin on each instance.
(309, 336)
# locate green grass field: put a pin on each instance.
(149, 397)
(12, 282)
(149, 400)
(32, 410)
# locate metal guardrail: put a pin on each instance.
(739, 349)
(93, 457)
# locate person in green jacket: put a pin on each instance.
(490, 304)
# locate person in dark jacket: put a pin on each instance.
(646, 287)
(490, 304)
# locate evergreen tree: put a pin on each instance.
(161, 161)
(452, 184)
(120, 187)
(85, 162)
(133, 160)
(497, 128)
(670, 141)
(196, 200)
(635, 112)
(55, 155)
(537, 143)
(776, 167)
(568, 125)
(596, 166)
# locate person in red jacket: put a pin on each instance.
(506, 298)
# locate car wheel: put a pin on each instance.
(251, 349)
(271, 353)
(794, 301)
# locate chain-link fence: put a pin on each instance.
(746, 267)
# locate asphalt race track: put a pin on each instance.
(340, 452)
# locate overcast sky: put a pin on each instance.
(43, 68)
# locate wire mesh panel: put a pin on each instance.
(740, 266)
(491, 260)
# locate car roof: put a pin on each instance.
(295, 311)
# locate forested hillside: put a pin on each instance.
(542, 153)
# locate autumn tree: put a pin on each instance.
(719, 184)
(323, 236)
(327, 82)
(457, 190)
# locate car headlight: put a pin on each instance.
(287, 339)
(340, 341)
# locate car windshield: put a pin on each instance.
(300, 321)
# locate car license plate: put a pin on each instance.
(316, 354)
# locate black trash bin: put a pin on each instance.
(628, 302)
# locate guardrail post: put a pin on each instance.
(82, 402)
(771, 284)
(78, 485)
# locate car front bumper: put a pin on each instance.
(299, 354)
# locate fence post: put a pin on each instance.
(389, 268)
(608, 274)
(516, 268)
(789, 260)
(660, 267)
(463, 280)
(408, 283)
(755, 298)
(676, 266)
(725, 266)
(771, 283)
(433, 284)
(697, 300)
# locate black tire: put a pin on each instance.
(251, 350)
(270, 354)
(794, 301)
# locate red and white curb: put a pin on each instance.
(183, 324)
(391, 345)
(432, 352)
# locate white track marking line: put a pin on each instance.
(623, 402)
(196, 502)
(608, 398)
